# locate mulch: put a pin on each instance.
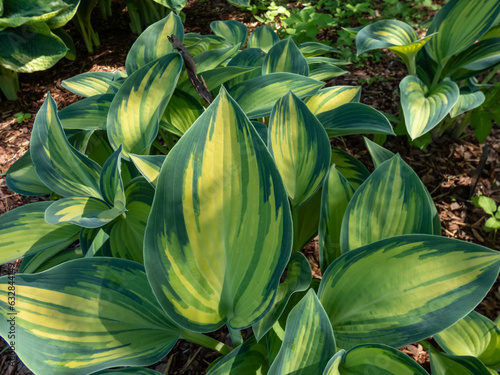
(447, 168)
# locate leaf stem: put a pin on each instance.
(206, 341)
(235, 336)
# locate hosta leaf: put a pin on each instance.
(377, 359)
(332, 97)
(257, 96)
(134, 113)
(17, 13)
(44, 260)
(233, 31)
(63, 17)
(175, 5)
(23, 231)
(378, 153)
(309, 343)
(424, 109)
(59, 165)
(249, 57)
(181, 112)
(299, 146)
(149, 166)
(124, 236)
(397, 203)
(458, 25)
(284, 56)
(475, 335)
(443, 364)
(129, 371)
(153, 42)
(332, 367)
(87, 212)
(337, 192)
(213, 58)
(298, 278)
(22, 179)
(466, 102)
(261, 130)
(249, 358)
(236, 182)
(111, 181)
(430, 282)
(263, 37)
(350, 167)
(240, 3)
(88, 114)
(479, 56)
(86, 315)
(354, 118)
(26, 55)
(323, 72)
(306, 221)
(325, 60)
(311, 49)
(90, 84)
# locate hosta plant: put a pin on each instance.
(461, 42)
(138, 249)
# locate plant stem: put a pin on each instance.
(295, 225)
(491, 74)
(9, 83)
(206, 341)
(437, 75)
(80, 25)
(160, 147)
(235, 336)
(412, 66)
(463, 124)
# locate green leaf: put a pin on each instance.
(492, 224)
(458, 25)
(424, 109)
(396, 201)
(63, 17)
(311, 49)
(479, 56)
(182, 111)
(153, 43)
(430, 282)
(337, 192)
(90, 84)
(306, 221)
(249, 358)
(474, 335)
(298, 278)
(17, 13)
(466, 102)
(59, 165)
(332, 367)
(257, 96)
(300, 148)
(23, 231)
(149, 166)
(86, 315)
(88, 114)
(129, 371)
(44, 260)
(350, 167)
(309, 343)
(263, 37)
(284, 56)
(249, 57)
(30, 48)
(234, 32)
(332, 97)
(486, 203)
(354, 118)
(323, 72)
(111, 181)
(175, 5)
(213, 58)
(22, 179)
(240, 3)
(378, 153)
(135, 111)
(201, 268)
(443, 364)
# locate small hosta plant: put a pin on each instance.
(490, 207)
(139, 249)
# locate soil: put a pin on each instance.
(448, 167)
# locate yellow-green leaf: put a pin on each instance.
(332, 97)
(284, 56)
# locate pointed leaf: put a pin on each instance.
(234, 32)
(65, 16)
(285, 57)
(175, 5)
(443, 364)
(182, 111)
(22, 178)
(306, 222)
(311, 49)
(59, 165)
(213, 58)
(263, 37)
(249, 57)
(153, 42)
(236, 182)
(111, 181)
(350, 167)
(86, 315)
(466, 102)
(309, 343)
(149, 166)
(17, 13)
(44, 260)
(299, 146)
(424, 109)
(257, 96)
(90, 84)
(23, 231)
(129, 371)
(324, 72)
(332, 97)
(88, 114)
(479, 56)
(430, 283)
(135, 111)
(378, 153)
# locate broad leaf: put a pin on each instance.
(218, 188)
(90, 84)
(332, 97)
(480, 56)
(22, 178)
(350, 167)
(149, 166)
(324, 72)
(430, 282)
(443, 364)
(182, 111)
(44, 260)
(233, 31)
(263, 37)
(467, 101)
(311, 49)
(88, 114)
(378, 153)
(17, 13)
(284, 56)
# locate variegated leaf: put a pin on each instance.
(153, 42)
(378, 153)
(424, 109)
(233, 31)
(44, 260)
(23, 231)
(257, 96)
(481, 55)
(59, 165)
(306, 221)
(285, 57)
(300, 148)
(88, 114)
(181, 112)
(332, 97)
(213, 58)
(149, 166)
(18, 13)
(175, 5)
(129, 371)
(136, 109)
(324, 72)
(392, 201)
(332, 367)
(467, 101)
(430, 282)
(312, 49)
(111, 181)
(350, 167)
(69, 326)
(263, 37)
(443, 364)
(90, 84)
(249, 57)
(337, 192)
(309, 343)
(22, 178)
(199, 262)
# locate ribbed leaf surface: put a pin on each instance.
(87, 114)
(90, 84)
(263, 37)
(233, 31)
(284, 56)
(332, 97)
